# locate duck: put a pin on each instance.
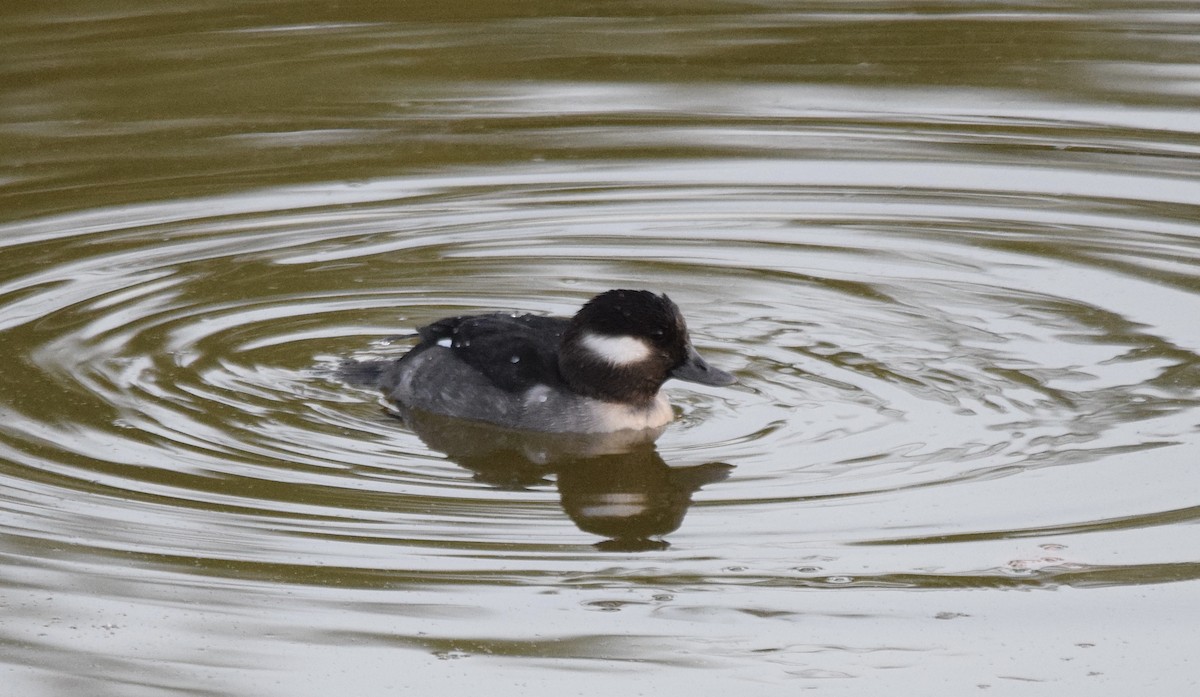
(600, 371)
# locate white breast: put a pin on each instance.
(617, 417)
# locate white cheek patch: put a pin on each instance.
(618, 350)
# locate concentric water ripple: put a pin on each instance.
(919, 361)
(950, 249)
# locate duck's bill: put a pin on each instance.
(696, 369)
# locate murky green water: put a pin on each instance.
(951, 251)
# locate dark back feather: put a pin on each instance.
(514, 353)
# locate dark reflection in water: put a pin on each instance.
(615, 485)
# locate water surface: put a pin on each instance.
(951, 254)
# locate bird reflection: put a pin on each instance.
(614, 485)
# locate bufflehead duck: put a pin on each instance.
(597, 372)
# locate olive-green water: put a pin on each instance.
(951, 250)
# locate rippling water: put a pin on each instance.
(961, 302)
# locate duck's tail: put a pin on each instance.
(362, 373)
